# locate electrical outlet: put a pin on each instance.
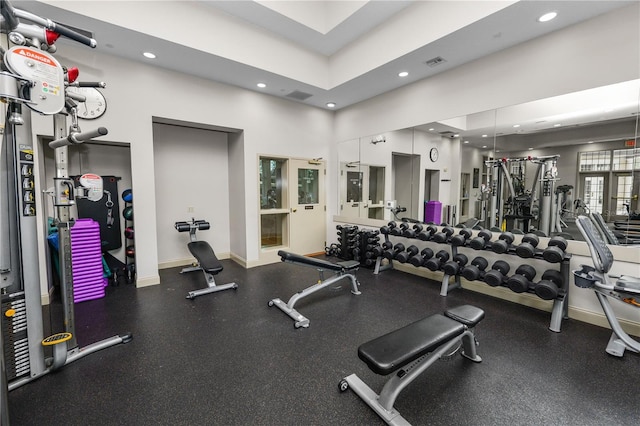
(190, 209)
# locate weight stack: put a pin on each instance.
(86, 260)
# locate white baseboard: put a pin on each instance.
(147, 281)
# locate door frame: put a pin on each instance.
(270, 254)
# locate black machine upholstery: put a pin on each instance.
(318, 263)
(205, 256)
(466, 314)
(387, 353)
(600, 253)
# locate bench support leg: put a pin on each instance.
(212, 287)
(383, 403)
(301, 320)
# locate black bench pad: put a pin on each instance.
(318, 263)
(466, 314)
(396, 349)
(205, 256)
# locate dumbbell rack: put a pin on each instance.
(560, 303)
(356, 244)
(560, 308)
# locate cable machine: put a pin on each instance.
(520, 204)
(32, 79)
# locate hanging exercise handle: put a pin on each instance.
(77, 138)
(11, 15)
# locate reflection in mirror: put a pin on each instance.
(564, 156)
(350, 179)
(567, 155)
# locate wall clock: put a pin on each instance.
(433, 154)
(95, 104)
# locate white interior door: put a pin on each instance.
(307, 224)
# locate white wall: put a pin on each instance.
(576, 58)
(192, 172)
(271, 126)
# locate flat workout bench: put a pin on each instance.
(342, 270)
(409, 351)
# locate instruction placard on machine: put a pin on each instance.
(28, 184)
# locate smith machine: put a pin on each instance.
(32, 79)
(511, 202)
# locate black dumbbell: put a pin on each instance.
(419, 259)
(475, 270)
(454, 266)
(527, 248)
(436, 262)
(428, 233)
(369, 262)
(521, 281)
(403, 256)
(393, 252)
(389, 229)
(413, 231)
(356, 254)
(502, 245)
(548, 288)
(376, 251)
(555, 251)
(481, 241)
(461, 238)
(498, 273)
(443, 236)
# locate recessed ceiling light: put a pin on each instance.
(403, 74)
(331, 104)
(149, 55)
(557, 125)
(484, 146)
(547, 17)
(484, 136)
(515, 126)
(466, 141)
(530, 149)
(261, 85)
(590, 142)
(431, 129)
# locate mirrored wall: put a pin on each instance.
(533, 166)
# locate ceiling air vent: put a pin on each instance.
(433, 62)
(298, 95)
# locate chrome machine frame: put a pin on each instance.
(32, 79)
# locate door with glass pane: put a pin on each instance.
(274, 212)
(307, 218)
(352, 194)
(594, 193)
(623, 199)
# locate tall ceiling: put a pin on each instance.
(314, 52)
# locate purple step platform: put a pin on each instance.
(86, 261)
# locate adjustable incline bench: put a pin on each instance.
(409, 351)
(208, 263)
(342, 270)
